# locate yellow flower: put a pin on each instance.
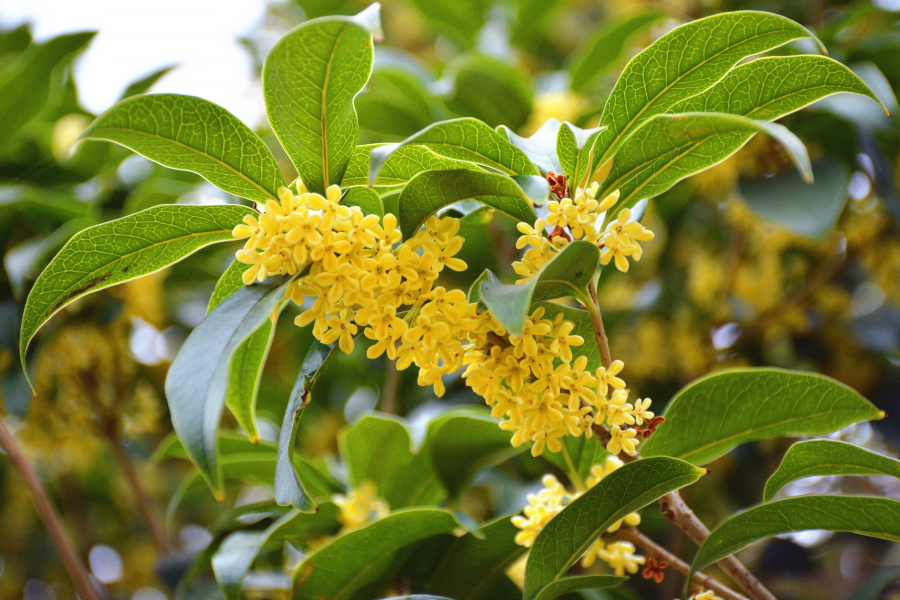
(640, 411)
(360, 506)
(707, 595)
(607, 377)
(622, 441)
(341, 329)
(621, 558)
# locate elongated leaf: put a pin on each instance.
(540, 148)
(605, 48)
(143, 85)
(139, 244)
(243, 379)
(309, 81)
(289, 489)
(566, 275)
(229, 443)
(471, 567)
(25, 83)
(574, 584)
(228, 283)
(828, 457)
(192, 134)
(583, 452)
(771, 87)
(668, 148)
(873, 517)
(714, 414)
(400, 167)
(197, 381)
(465, 139)
(366, 199)
(357, 558)
(575, 149)
(564, 539)
(430, 191)
(685, 62)
(378, 448)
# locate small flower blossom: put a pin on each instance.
(360, 506)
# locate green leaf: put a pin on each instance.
(197, 381)
(605, 48)
(229, 443)
(366, 199)
(566, 275)
(289, 489)
(583, 327)
(244, 376)
(400, 167)
(471, 567)
(714, 414)
(25, 83)
(667, 148)
(460, 20)
(873, 517)
(358, 558)
(685, 62)
(430, 191)
(101, 256)
(828, 457)
(228, 283)
(463, 442)
(540, 148)
(574, 584)
(142, 85)
(566, 538)
(395, 103)
(309, 81)
(474, 293)
(873, 586)
(192, 134)
(492, 91)
(583, 452)
(575, 148)
(464, 139)
(378, 448)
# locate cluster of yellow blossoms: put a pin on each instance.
(546, 504)
(360, 506)
(582, 217)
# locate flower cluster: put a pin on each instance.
(550, 501)
(360, 506)
(707, 595)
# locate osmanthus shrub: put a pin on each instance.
(534, 349)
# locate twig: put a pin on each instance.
(593, 309)
(48, 514)
(641, 541)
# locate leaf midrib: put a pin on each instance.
(325, 172)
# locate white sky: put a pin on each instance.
(137, 37)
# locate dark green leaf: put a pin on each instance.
(228, 283)
(309, 81)
(366, 199)
(430, 191)
(192, 134)
(464, 139)
(143, 85)
(828, 457)
(101, 256)
(714, 414)
(243, 378)
(566, 538)
(583, 453)
(566, 275)
(229, 443)
(574, 584)
(197, 381)
(493, 91)
(873, 586)
(540, 148)
(395, 103)
(461, 20)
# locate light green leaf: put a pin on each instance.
(228, 283)
(25, 83)
(460, 20)
(667, 148)
(565, 538)
(289, 489)
(873, 517)
(197, 381)
(366, 199)
(430, 191)
(309, 81)
(139, 244)
(714, 414)
(685, 62)
(605, 48)
(574, 584)
(143, 85)
(400, 167)
(828, 457)
(192, 134)
(244, 376)
(575, 148)
(566, 275)
(378, 448)
(540, 148)
(464, 139)
(472, 568)
(358, 558)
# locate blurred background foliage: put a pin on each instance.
(750, 266)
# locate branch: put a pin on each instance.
(48, 514)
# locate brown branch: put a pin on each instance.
(599, 330)
(48, 514)
(651, 548)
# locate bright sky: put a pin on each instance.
(137, 37)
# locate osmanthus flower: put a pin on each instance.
(707, 595)
(360, 506)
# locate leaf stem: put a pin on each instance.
(574, 475)
(48, 514)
